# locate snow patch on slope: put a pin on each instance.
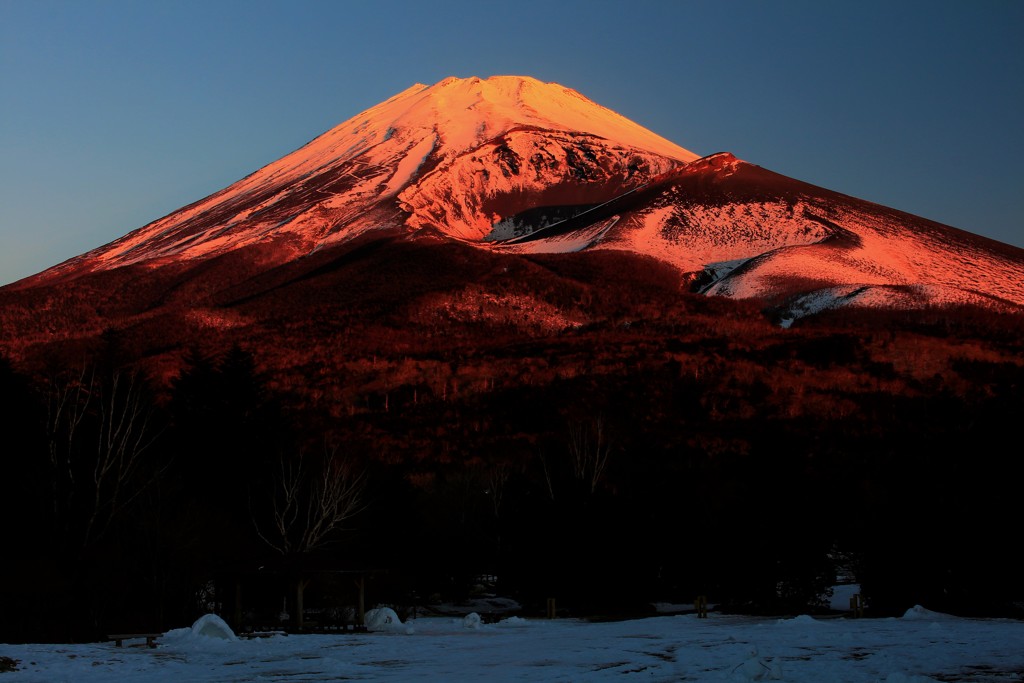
(577, 240)
(885, 264)
(693, 236)
(410, 164)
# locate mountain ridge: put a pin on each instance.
(324, 187)
(498, 162)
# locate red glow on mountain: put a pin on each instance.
(516, 166)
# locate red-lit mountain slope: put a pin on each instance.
(511, 165)
(455, 157)
(750, 233)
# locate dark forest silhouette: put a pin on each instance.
(648, 457)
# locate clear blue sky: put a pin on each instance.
(114, 113)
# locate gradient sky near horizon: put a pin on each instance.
(114, 113)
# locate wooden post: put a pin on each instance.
(857, 605)
(300, 588)
(237, 612)
(361, 605)
(700, 604)
(552, 612)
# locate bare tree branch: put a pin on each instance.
(67, 405)
(97, 485)
(497, 476)
(308, 504)
(589, 451)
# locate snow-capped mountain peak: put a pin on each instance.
(347, 180)
(513, 164)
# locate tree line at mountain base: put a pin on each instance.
(606, 470)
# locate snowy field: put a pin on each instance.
(921, 646)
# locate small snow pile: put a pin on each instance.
(756, 668)
(918, 613)
(471, 620)
(208, 630)
(212, 626)
(383, 619)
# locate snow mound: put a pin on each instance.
(212, 626)
(472, 620)
(918, 613)
(208, 632)
(801, 620)
(383, 619)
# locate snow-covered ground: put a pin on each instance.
(921, 646)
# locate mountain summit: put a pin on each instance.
(456, 156)
(516, 166)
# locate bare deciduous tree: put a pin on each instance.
(67, 404)
(92, 485)
(589, 450)
(497, 477)
(548, 477)
(124, 436)
(309, 502)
